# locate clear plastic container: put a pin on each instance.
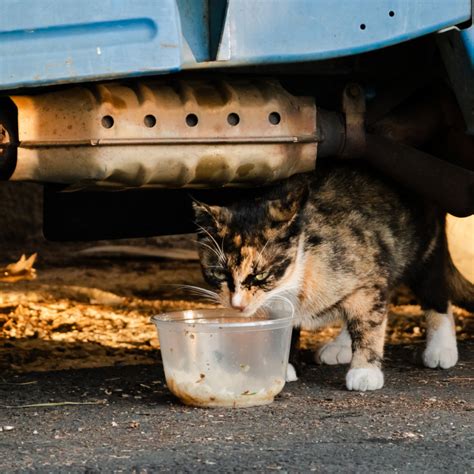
(219, 358)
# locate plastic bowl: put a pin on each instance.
(219, 358)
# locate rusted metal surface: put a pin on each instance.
(441, 181)
(353, 106)
(331, 133)
(166, 133)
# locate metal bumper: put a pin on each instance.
(181, 133)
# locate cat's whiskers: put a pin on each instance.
(203, 295)
(222, 248)
(215, 252)
(219, 249)
(204, 292)
(260, 254)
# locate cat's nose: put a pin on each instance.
(236, 302)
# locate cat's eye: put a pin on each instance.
(261, 276)
(218, 275)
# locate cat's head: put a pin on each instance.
(251, 250)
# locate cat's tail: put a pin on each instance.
(461, 289)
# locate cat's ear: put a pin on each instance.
(207, 214)
(286, 208)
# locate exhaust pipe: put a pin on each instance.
(450, 186)
(198, 134)
(181, 133)
(388, 148)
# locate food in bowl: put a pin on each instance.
(203, 392)
(219, 358)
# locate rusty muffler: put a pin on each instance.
(165, 133)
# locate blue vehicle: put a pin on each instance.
(153, 97)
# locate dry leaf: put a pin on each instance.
(21, 270)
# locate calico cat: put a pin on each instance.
(336, 242)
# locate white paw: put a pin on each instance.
(291, 374)
(444, 357)
(441, 348)
(334, 353)
(364, 379)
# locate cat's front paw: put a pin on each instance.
(334, 353)
(291, 373)
(370, 378)
(444, 356)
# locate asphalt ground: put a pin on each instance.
(123, 419)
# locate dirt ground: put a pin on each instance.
(94, 310)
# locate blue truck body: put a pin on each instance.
(45, 42)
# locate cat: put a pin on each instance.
(336, 242)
